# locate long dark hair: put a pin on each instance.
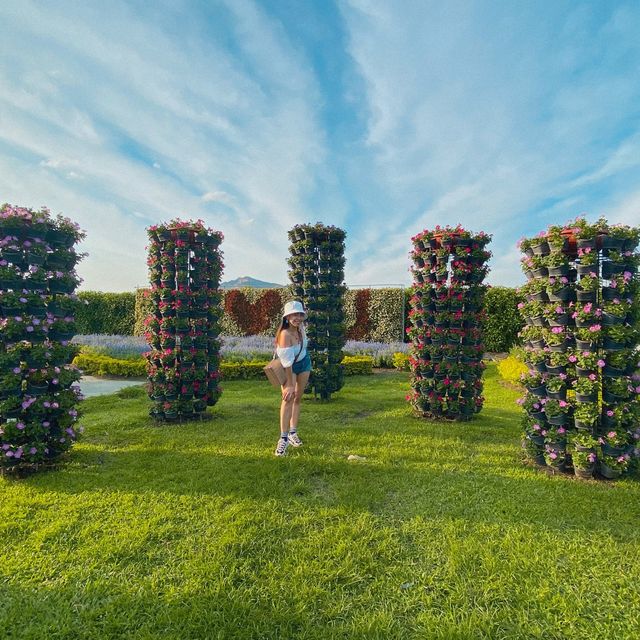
(285, 325)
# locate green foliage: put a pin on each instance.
(510, 369)
(401, 361)
(503, 321)
(96, 364)
(143, 306)
(100, 365)
(357, 365)
(109, 313)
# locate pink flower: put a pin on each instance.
(572, 359)
(610, 413)
(593, 377)
(594, 327)
(553, 455)
(591, 457)
(601, 363)
(611, 434)
(562, 403)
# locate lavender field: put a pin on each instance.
(234, 348)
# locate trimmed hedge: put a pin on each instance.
(372, 315)
(108, 313)
(99, 365)
(503, 322)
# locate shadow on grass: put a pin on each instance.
(468, 489)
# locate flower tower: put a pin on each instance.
(449, 267)
(581, 310)
(317, 275)
(38, 402)
(185, 265)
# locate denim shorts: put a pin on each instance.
(302, 365)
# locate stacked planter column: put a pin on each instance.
(185, 265)
(446, 317)
(317, 275)
(581, 406)
(38, 405)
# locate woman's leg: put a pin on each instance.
(301, 383)
(286, 410)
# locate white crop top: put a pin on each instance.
(287, 355)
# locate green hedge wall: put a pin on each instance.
(371, 315)
(503, 321)
(108, 313)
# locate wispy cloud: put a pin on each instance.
(382, 117)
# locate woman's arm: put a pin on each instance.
(285, 341)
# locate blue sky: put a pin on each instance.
(382, 117)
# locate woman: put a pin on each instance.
(291, 347)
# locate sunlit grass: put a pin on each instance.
(197, 531)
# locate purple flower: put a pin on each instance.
(20, 426)
(33, 451)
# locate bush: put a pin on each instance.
(401, 361)
(510, 369)
(357, 365)
(503, 321)
(99, 365)
(110, 313)
(96, 364)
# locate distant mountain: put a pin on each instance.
(247, 281)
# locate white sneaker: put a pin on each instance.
(294, 439)
(281, 447)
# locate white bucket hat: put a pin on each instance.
(293, 306)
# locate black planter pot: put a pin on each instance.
(559, 420)
(582, 426)
(539, 366)
(563, 295)
(541, 249)
(611, 398)
(583, 345)
(585, 269)
(586, 296)
(555, 371)
(559, 348)
(610, 293)
(539, 321)
(562, 270)
(609, 344)
(610, 269)
(557, 395)
(540, 296)
(612, 243)
(561, 320)
(539, 391)
(612, 372)
(607, 421)
(614, 452)
(538, 415)
(540, 272)
(608, 319)
(586, 397)
(608, 472)
(584, 373)
(584, 473)
(586, 243)
(538, 344)
(560, 446)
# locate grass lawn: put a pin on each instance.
(197, 531)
